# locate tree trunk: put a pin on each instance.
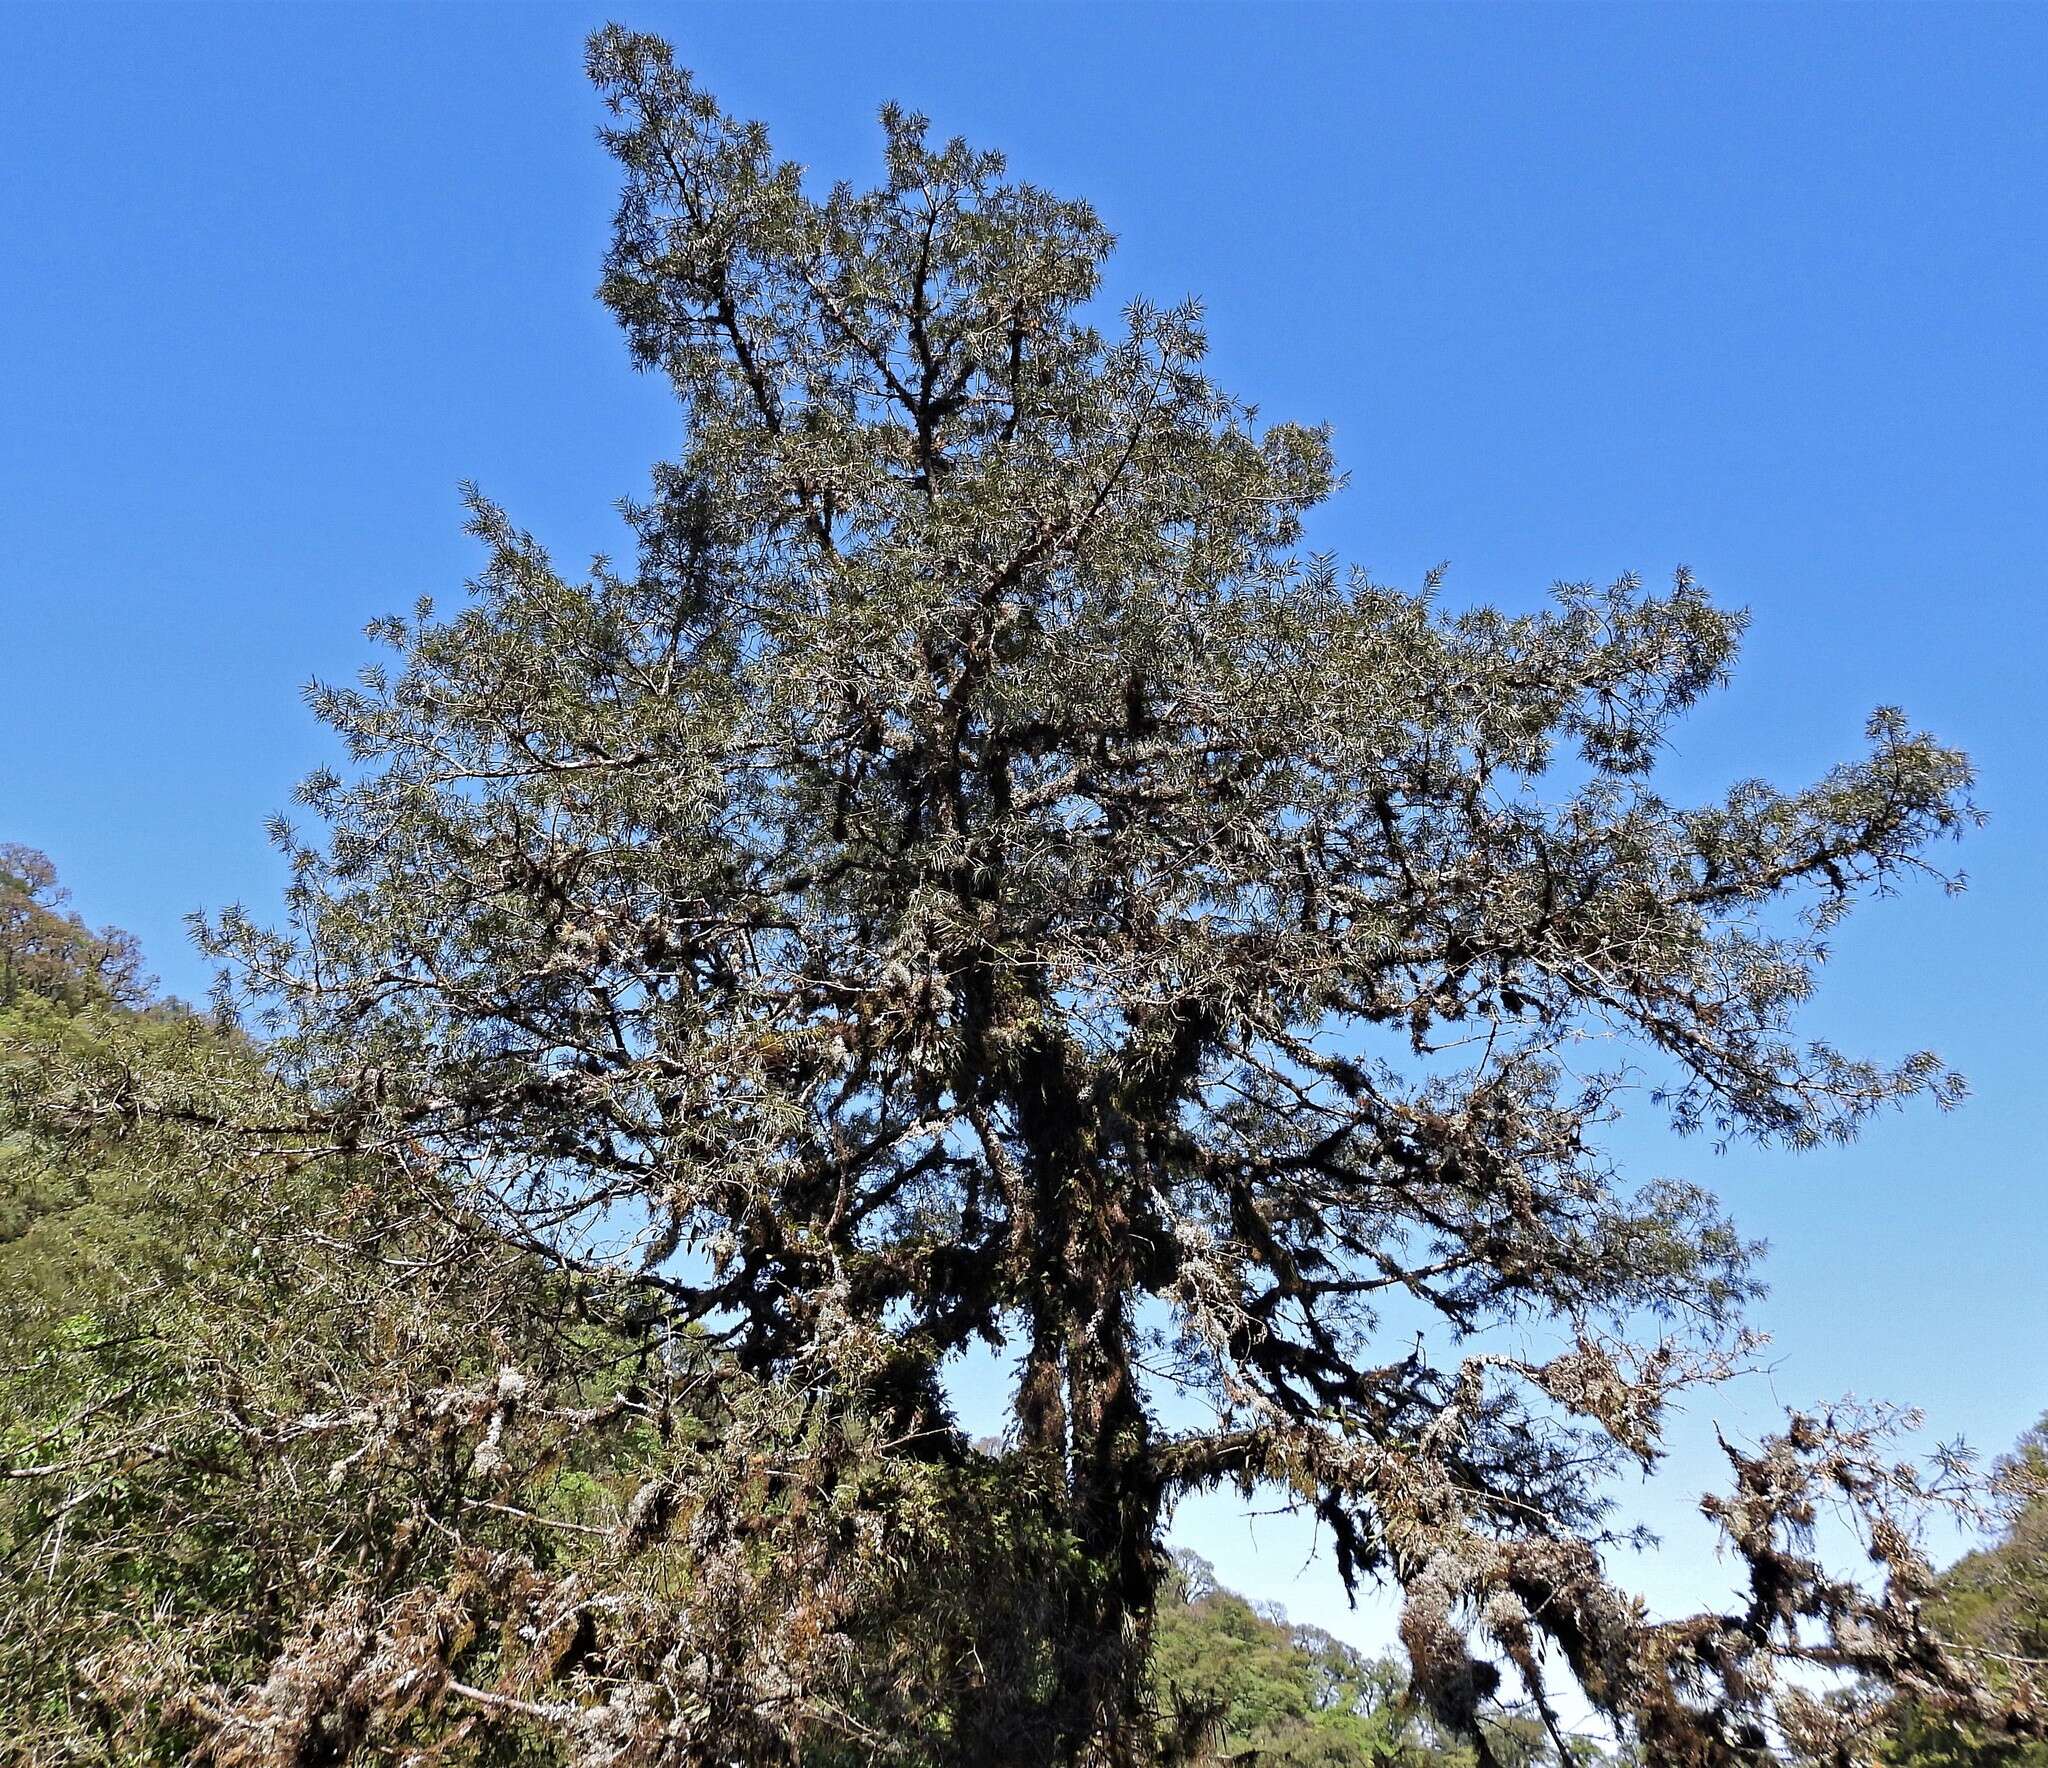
(1079, 1401)
(1115, 1517)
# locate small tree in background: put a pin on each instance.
(970, 879)
(53, 955)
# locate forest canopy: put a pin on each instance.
(970, 877)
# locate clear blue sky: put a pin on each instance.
(1581, 289)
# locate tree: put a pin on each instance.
(970, 878)
(1274, 1693)
(1992, 1605)
(92, 1259)
(46, 952)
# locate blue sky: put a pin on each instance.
(1581, 290)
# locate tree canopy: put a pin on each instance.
(972, 876)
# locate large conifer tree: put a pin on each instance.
(968, 877)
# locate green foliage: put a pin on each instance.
(1991, 1606)
(97, 1271)
(1271, 1690)
(52, 955)
(1279, 1696)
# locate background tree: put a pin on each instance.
(971, 878)
(92, 1253)
(1281, 1694)
(1993, 1606)
(53, 955)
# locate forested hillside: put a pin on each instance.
(110, 1519)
